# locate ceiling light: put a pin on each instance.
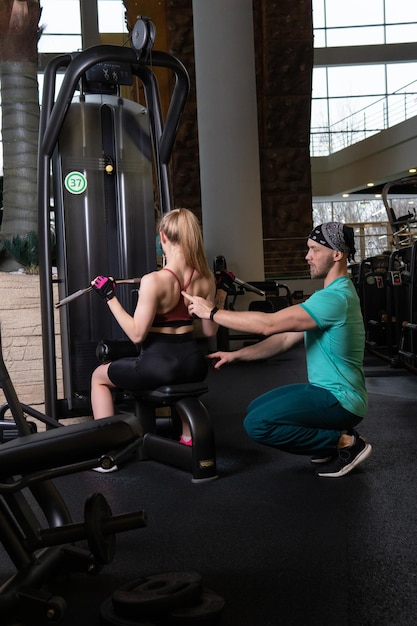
(370, 184)
(345, 195)
(412, 170)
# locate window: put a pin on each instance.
(61, 22)
(62, 26)
(111, 16)
(352, 102)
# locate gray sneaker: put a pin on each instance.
(347, 458)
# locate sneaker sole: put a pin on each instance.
(366, 452)
(320, 459)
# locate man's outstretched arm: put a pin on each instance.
(272, 346)
(291, 319)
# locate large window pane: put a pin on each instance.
(363, 36)
(358, 80)
(354, 13)
(401, 107)
(397, 11)
(318, 13)
(363, 23)
(62, 26)
(402, 76)
(59, 43)
(111, 16)
(401, 33)
(61, 17)
(320, 38)
(362, 108)
(319, 113)
(319, 82)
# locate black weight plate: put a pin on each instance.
(209, 607)
(159, 593)
(108, 617)
(102, 546)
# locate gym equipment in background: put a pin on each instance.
(102, 155)
(403, 227)
(275, 296)
(372, 290)
(384, 286)
(407, 353)
(42, 541)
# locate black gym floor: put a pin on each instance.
(279, 544)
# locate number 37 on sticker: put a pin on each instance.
(75, 182)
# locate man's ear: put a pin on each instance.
(338, 255)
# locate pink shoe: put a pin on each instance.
(186, 442)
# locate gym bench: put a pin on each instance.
(183, 401)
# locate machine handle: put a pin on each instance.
(81, 292)
(248, 286)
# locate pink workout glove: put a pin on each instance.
(104, 286)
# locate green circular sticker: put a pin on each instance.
(75, 182)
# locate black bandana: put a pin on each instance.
(336, 236)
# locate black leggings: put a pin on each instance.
(163, 360)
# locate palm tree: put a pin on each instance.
(19, 36)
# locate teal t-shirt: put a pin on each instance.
(335, 350)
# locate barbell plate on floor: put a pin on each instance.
(208, 608)
(160, 593)
(102, 546)
(108, 617)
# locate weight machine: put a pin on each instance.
(404, 227)
(102, 155)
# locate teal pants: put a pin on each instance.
(301, 418)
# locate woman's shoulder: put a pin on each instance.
(202, 285)
(153, 280)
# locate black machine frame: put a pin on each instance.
(141, 63)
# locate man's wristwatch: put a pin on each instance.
(213, 313)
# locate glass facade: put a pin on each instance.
(354, 101)
(355, 97)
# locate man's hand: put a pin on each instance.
(198, 306)
(221, 358)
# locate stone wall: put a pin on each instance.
(21, 333)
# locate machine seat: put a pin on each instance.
(170, 394)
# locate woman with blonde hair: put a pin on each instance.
(161, 324)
